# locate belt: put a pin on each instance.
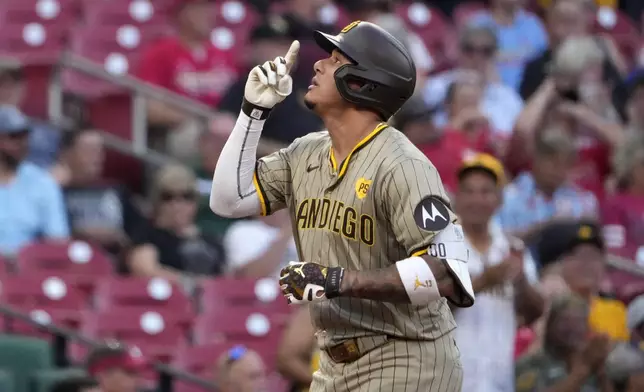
(352, 349)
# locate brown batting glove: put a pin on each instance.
(310, 282)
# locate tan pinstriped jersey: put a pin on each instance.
(362, 213)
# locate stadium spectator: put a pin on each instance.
(414, 119)
(477, 51)
(635, 106)
(186, 63)
(623, 212)
(33, 206)
(543, 194)
(210, 144)
(625, 364)
(521, 36)
(43, 138)
(115, 367)
(302, 18)
(381, 12)
(172, 247)
(466, 132)
(240, 370)
(76, 384)
(272, 247)
(578, 249)
(291, 119)
(98, 211)
(503, 277)
(297, 355)
(576, 100)
(563, 22)
(570, 359)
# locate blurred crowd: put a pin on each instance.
(532, 113)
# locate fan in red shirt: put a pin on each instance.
(187, 62)
(623, 212)
(467, 131)
(576, 98)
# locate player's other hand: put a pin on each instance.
(268, 84)
(303, 282)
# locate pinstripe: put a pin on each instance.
(419, 354)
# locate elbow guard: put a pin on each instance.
(419, 280)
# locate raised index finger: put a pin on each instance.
(291, 55)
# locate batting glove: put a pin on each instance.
(310, 282)
(268, 84)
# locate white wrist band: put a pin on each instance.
(419, 280)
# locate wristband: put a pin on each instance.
(255, 112)
(419, 281)
(333, 281)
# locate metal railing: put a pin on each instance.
(140, 92)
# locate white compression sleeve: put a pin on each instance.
(233, 194)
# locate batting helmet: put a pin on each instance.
(380, 65)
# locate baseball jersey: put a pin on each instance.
(385, 202)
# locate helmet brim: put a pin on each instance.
(327, 42)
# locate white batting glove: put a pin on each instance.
(268, 84)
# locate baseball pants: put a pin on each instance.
(397, 366)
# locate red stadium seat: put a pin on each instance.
(433, 28)
(114, 47)
(235, 14)
(217, 295)
(240, 324)
(156, 332)
(77, 260)
(33, 43)
(332, 15)
(46, 298)
(45, 12)
(143, 293)
(119, 12)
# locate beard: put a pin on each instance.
(309, 105)
(9, 161)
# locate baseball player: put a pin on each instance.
(381, 249)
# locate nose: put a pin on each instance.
(317, 67)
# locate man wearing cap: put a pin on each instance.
(571, 359)
(188, 64)
(32, 202)
(577, 248)
(115, 367)
(269, 39)
(625, 364)
(503, 277)
(240, 370)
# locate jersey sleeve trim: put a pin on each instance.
(419, 252)
(263, 200)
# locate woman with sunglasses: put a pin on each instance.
(172, 246)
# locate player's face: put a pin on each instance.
(323, 95)
(477, 198)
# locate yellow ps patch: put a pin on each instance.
(362, 187)
(350, 26)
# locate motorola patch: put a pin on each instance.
(431, 214)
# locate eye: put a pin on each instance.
(336, 60)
